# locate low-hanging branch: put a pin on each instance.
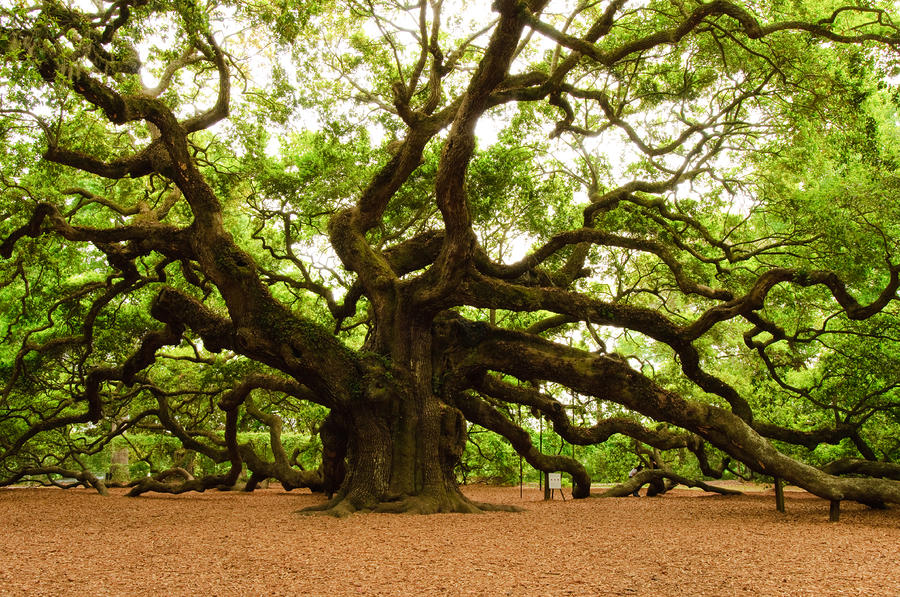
(608, 378)
(480, 412)
(649, 475)
(598, 433)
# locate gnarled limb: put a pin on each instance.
(616, 381)
(159, 484)
(868, 468)
(645, 476)
(478, 411)
(562, 425)
(281, 469)
(82, 477)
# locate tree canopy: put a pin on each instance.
(672, 221)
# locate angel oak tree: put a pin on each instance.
(241, 208)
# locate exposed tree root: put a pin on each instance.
(325, 508)
(489, 507)
(342, 506)
(336, 507)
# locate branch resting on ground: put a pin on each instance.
(643, 477)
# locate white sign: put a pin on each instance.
(554, 480)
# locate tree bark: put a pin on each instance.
(400, 457)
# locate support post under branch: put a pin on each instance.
(834, 512)
(779, 494)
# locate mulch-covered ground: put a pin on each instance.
(75, 542)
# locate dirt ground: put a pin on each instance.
(75, 542)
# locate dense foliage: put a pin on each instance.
(401, 232)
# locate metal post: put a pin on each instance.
(521, 480)
(541, 448)
(521, 470)
(573, 476)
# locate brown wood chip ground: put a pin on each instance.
(76, 542)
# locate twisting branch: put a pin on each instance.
(478, 411)
(597, 433)
(142, 358)
(649, 475)
(717, 8)
(82, 477)
(611, 379)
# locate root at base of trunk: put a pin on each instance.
(341, 507)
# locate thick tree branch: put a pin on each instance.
(613, 380)
(583, 436)
(647, 475)
(478, 411)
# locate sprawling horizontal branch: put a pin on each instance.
(597, 433)
(484, 292)
(869, 468)
(647, 475)
(527, 357)
(145, 162)
(691, 22)
(142, 238)
(161, 484)
(85, 478)
(478, 411)
(807, 438)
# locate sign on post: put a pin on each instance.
(554, 480)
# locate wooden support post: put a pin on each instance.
(834, 513)
(779, 494)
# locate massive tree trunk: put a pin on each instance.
(391, 464)
(402, 441)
